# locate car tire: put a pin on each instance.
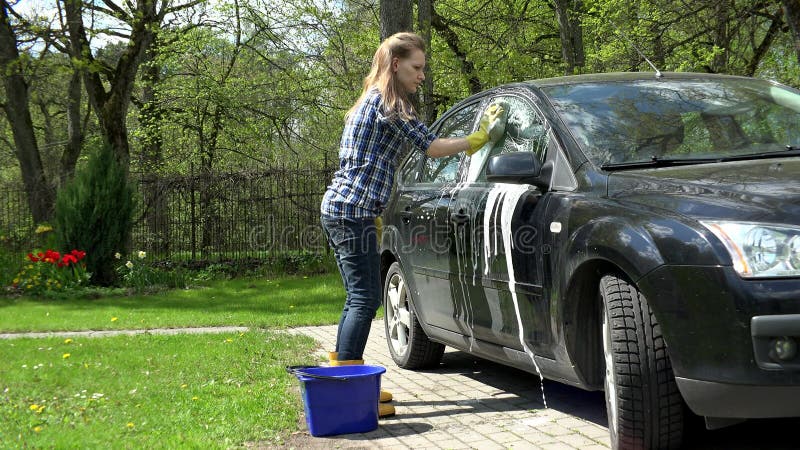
(408, 344)
(645, 408)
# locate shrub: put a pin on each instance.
(94, 212)
(10, 263)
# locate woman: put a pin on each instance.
(375, 129)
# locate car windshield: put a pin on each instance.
(618, 123)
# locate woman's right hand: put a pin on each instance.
(491, 121)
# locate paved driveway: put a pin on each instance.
(470, 403)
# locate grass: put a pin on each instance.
(150, 391)
(156, 391)
(263, 303)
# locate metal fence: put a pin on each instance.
(212, 216)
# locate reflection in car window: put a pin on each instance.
(618, 122)
(525, 132)
(410, 170)
(445, 170)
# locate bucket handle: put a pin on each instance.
(298, 370)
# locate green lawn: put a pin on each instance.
(280, 302)
(155, 391)
(150, 391)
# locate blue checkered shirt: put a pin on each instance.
(368, 153)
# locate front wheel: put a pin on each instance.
(408, 344)
(645, 408)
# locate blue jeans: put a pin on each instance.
(355, 245)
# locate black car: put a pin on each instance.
(637, 233)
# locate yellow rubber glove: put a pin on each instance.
(479, 138)
(379, 228)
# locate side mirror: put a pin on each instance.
(517, 167)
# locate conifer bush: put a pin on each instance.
(94, 212)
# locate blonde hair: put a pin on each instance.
(395, 100)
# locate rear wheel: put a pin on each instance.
(645, 408)
(408, 344)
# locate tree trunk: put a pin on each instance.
(761, 50)
(571, 34)
(427, 102)
(792, 10)
(396, 16)
(721, 37)
(74, 129)
(41, 195)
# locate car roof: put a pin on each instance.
(626, 76)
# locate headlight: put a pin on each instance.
(759, 249)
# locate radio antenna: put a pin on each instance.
(630, 41)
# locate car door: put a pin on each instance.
(498, 237)
(424, 225)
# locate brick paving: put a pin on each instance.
(470, 403)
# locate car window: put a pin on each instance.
(410, 169)
(445, 170)
(525, 132)
(620, 122)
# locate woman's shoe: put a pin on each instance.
(332, 358)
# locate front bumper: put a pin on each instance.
(708, 398)
(720, 331)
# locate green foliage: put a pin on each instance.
(707, 36)
(10, 264)
(139, 275)
(94, 213)
(276, 264)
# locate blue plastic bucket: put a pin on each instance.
(340, 399)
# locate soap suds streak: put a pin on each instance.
(507, 197)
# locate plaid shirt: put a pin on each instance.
(368, 153)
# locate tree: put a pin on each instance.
(792, 10)
(729, 36)
(427, 101)
(47, 85)
(94, 213)
(17, 108)
(144, 18)
(570, 33)
(396, 16)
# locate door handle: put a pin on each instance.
(459, 218)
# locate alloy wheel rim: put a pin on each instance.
(397, 315)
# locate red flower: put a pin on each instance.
(54, 257)
(67, 260)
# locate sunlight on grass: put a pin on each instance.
(150, 391)
(155, 391)
(279, 302)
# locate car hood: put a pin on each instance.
(765, 190)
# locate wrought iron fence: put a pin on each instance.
(212, 216)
